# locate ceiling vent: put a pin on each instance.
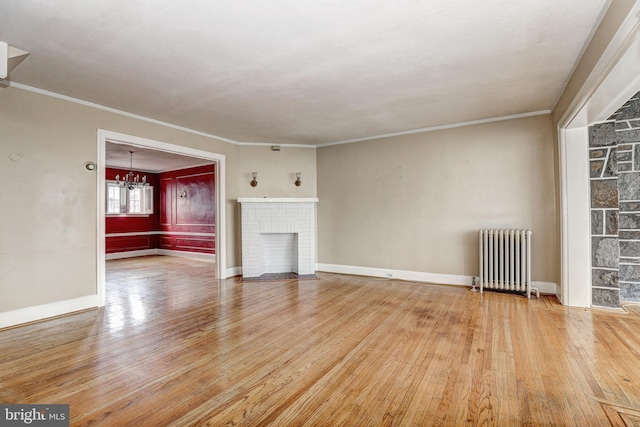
(10, 58)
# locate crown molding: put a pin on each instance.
(266, 144)
(442, 127)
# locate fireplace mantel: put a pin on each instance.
(278, 236)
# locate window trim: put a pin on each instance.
(147, 192)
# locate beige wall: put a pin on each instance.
(412, 202)
(415, 202)
(276, 176)
(48, 205)
(276, 171)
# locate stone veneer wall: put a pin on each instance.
(614, 156)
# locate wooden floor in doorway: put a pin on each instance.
(176, 347)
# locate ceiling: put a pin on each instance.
(303, 71)
(147, 160)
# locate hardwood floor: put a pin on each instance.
(176, 347)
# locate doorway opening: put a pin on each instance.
(613, 80)
(112, 139)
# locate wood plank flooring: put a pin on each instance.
(176, 347)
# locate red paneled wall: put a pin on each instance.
(187, 209)
(178, 223)
(147, 225)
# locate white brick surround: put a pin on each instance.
(278, 236)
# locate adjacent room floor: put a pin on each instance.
(175, 346)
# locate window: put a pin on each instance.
(135, 199)
(122, 201)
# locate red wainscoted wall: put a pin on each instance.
(187, 210)
(132, 233)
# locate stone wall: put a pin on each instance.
(614, 156)
(604, 215)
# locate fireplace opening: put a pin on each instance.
(280, 252)
(278, 237)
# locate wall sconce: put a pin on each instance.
(254, 175)
(298, 182)
(183, 194)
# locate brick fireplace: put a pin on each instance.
(278, 236)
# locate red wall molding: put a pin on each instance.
(133, 243)
(175, 218)
(187, 205)
(187, 200)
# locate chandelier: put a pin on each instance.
(130, 181)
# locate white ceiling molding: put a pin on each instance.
(443, 127)
(303, 72)
(115, 111)
(271, 144)
(157, 168)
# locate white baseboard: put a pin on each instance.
(166, 252)
(546, 287)
(414, 276)
(184, 254)
(130, 254)
(233, 271)
(418, 276)
(39, 312)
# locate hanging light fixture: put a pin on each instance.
(130, 181)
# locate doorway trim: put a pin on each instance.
(218, 159)
(612, 81)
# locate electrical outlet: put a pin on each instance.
(389, 275)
